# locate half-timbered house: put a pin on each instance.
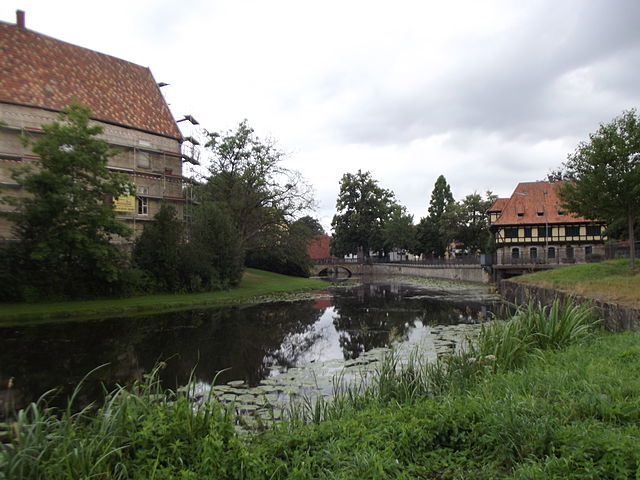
(532, 227)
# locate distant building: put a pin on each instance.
(532, 227)
(41, 75)
(319, 247)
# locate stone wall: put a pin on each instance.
(616, 317)
(465, 273)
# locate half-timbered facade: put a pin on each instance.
(532, 227)
(42, 75)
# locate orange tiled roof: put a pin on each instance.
(40, 71)
(531, 198)
(498, 205)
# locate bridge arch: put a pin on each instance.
(326, 270)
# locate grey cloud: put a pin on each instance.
(505, 84)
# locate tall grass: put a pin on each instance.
(532, 329)
(143, 432)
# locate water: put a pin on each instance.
(253, 345)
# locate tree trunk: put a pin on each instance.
(632, 242)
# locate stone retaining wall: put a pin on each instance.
(465, 273)
(616, 317)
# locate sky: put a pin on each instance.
(487, 93)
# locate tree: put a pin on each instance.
(472, 222)
(66, 222)
(399, 231)
(312, 224)
(606, 175)
(158, 250)
(287, 252)
(363, 208)
(435, 232)
(248, 179)
(214, 257)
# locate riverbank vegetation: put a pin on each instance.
(610, 281)
(256, 285)
(563, 404)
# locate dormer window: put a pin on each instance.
(541, 214)
(560, 213)
(520, 214)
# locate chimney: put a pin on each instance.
(20, 18)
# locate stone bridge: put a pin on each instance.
(449, 270)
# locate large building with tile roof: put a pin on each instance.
(532, 227)
(40, 75)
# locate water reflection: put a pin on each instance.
(249, 343)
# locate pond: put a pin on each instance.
(276, 349)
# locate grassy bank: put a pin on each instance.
(609, 281)
(563, 404)
(255, 284)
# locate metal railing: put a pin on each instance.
(442, 262)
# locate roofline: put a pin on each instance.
(109, 122)
(26, 29)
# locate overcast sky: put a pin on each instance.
(486, 93)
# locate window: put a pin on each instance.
(143, 206)
(594, 230)
(515, 253)
(544, 232)
(520, 214)
(142, 159)
(572, 230)
(541, 214)
(588, 250)
(527, 232)
(569, 252)
(551, 253)
(533, 253)
(511, 232)
(561, 212)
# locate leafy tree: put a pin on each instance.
(248, 179)
(213, 258)
(427, 237)
(312, 224)
(363, 208)
(399, 231)
(66, 222)
(472, 221)
(158, 250)
(436, 232)
(606, 175)
(288, 252)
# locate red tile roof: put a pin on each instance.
(40, 71)
(529, 199)
(498, 205)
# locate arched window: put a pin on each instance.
(551, 253)
(515, 253)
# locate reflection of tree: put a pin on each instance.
(372, 316)
(243, 339)
(377, 315)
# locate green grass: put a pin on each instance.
(611, 280)
(570, 412)
(254, 285)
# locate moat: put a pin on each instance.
(249, 345)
